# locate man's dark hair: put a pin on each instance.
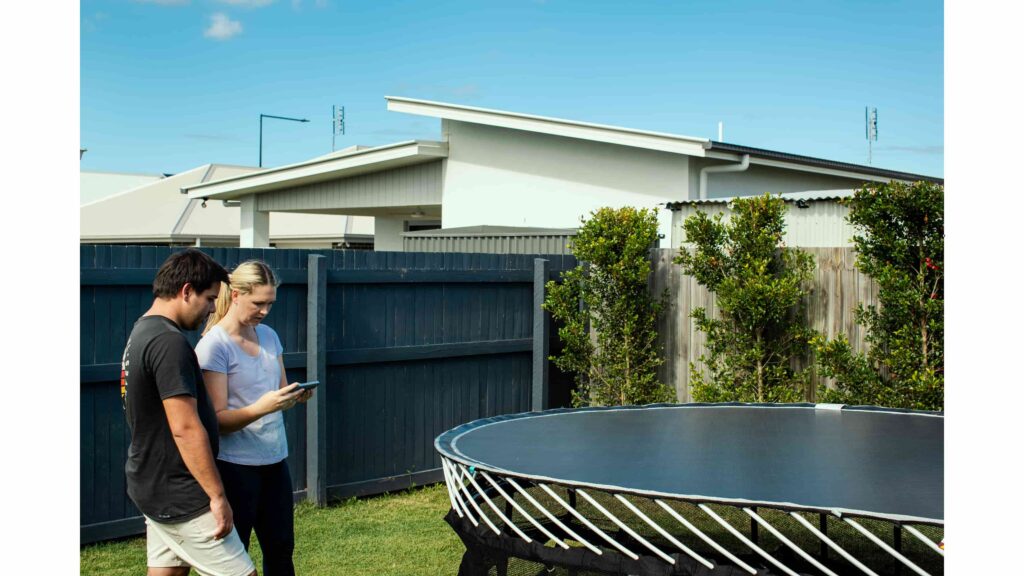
(190, 266)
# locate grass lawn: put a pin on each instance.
(402, 533)
(405, 534)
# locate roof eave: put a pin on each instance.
(661, 141)
(356, 163)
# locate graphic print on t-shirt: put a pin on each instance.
(124, 372)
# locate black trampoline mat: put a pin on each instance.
(883, 464)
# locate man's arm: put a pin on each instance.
(194, 446)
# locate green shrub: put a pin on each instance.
(758, 284)
(899, 243)
(609, 296)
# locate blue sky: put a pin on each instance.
(168, 85)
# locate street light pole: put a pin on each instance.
(262, 116)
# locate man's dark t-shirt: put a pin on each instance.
(159, 363)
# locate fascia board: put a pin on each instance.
(553, 126)
(361, 162)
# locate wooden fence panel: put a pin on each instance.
(835, 291)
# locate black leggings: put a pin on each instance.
(261, 498)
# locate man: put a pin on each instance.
(171, 473)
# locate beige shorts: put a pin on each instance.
(191, 543)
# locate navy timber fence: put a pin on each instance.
(406, 345)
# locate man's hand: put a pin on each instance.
(222, 514)
(194, 446)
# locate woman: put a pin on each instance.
(245, 379)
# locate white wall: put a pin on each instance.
(757, 180)
(502, 177)
(387, 234)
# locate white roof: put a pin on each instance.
(342, 164)
(663, 141)
(159, 212)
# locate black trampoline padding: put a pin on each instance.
(875, 463)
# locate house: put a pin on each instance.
(507, 169)
(158, 213)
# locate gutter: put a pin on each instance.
(742, 166)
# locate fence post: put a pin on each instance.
(316, 369)
(539, 387)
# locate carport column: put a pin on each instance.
(255, 225)
(316, 369)
(387, 234)
(539, 387)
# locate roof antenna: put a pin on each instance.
(720, 130)
(338, 121)
(870, 127)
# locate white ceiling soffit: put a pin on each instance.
(322, 169)
(585, 131)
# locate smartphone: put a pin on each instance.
(306, 386)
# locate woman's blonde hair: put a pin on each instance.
(246, 277)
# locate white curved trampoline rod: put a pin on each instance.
(928, 542)
(832, 544)
(625, 528)
(487, 499)
(782, 538)
(721, 549)
(553, 518)
(588, 524)
(664, 533)
(448, 487)
(455, 490)
(892, 551)
(522, 512)
(707, 538)
(746, 540)
(476, 506)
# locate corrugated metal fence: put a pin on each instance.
(407, 345)
(541, 242)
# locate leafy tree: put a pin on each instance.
(758, 284)
(611, 295)
(899, 244)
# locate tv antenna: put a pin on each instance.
(870, 127)
(338, 123)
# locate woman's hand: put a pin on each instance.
(281, 399)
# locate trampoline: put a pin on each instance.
(699, 489)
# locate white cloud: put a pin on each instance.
(222, 27)
(935, 149)
(297, 4)
(247, 3)
(165, 2)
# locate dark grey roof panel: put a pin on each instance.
(811, 161)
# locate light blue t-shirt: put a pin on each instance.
(249, 377)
